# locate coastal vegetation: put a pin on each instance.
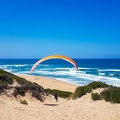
(62, 94)
(7, 81)
(82, 90)
(95, 96)
(23, 102)
(110, 93)
(22, 86)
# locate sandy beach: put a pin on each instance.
(50, 83)
(81, 109)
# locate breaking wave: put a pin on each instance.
(83, 76)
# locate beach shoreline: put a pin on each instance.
(50, 83)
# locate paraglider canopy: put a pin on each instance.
(54, 57)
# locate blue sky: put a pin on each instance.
(76, 28)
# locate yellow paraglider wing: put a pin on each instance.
(54, 57)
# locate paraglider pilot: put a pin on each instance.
(56, 97)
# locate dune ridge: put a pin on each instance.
(80, 109)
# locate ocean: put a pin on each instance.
(105, 70)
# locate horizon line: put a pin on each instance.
(70, 57)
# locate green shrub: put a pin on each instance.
(79, 92)
(5, 79)
(9, 77)
(23, 102)
(105, 95)
(60, 93)
(115, 95)
(88, 89)
(111, 94)
(21, 81)
(98, 84)
(3, 84)
(82, 90)
(95, 96)
(37, 95)
(21, 91)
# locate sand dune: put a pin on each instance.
(80, 109)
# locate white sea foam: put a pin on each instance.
(118, 85)
(16, 65)
(69, 75)
(102, 74)
(115, 70)
(97, 78)
(84, 68)
(8, 70)
(62, 68)
(20, 65)
(42, 72)
(3, 67)
(23, 72)
(111, 74)
(79, 75)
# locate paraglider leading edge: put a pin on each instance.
(54, 57)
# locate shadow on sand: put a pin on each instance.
(51, 104)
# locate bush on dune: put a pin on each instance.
(95, 96)
(23, 102)
(82, 90)
(111, 94)
(7, 79)
(79, 92)
(63, 94)
(98, 84)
